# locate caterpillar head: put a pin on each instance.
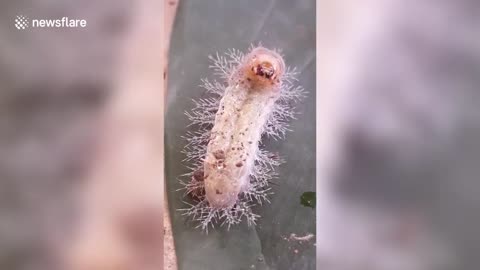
(262, 70)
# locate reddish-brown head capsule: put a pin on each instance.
(262, 70)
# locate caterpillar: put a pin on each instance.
(230, 171)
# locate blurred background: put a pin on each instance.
(81, 133)
(81, 137)
(398, 135)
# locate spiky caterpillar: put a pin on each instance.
(230, 171)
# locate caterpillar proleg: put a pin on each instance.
(231, 171)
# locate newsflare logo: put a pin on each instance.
(23, 22)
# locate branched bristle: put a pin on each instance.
(206, 215)
(203, 113)
(236, 57)
(220, 66)
(214, 87)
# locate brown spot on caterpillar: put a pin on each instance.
(217, 191)
(219, 154)
(197, 193)
(198, 175)
(239, 164)
(250, 142)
